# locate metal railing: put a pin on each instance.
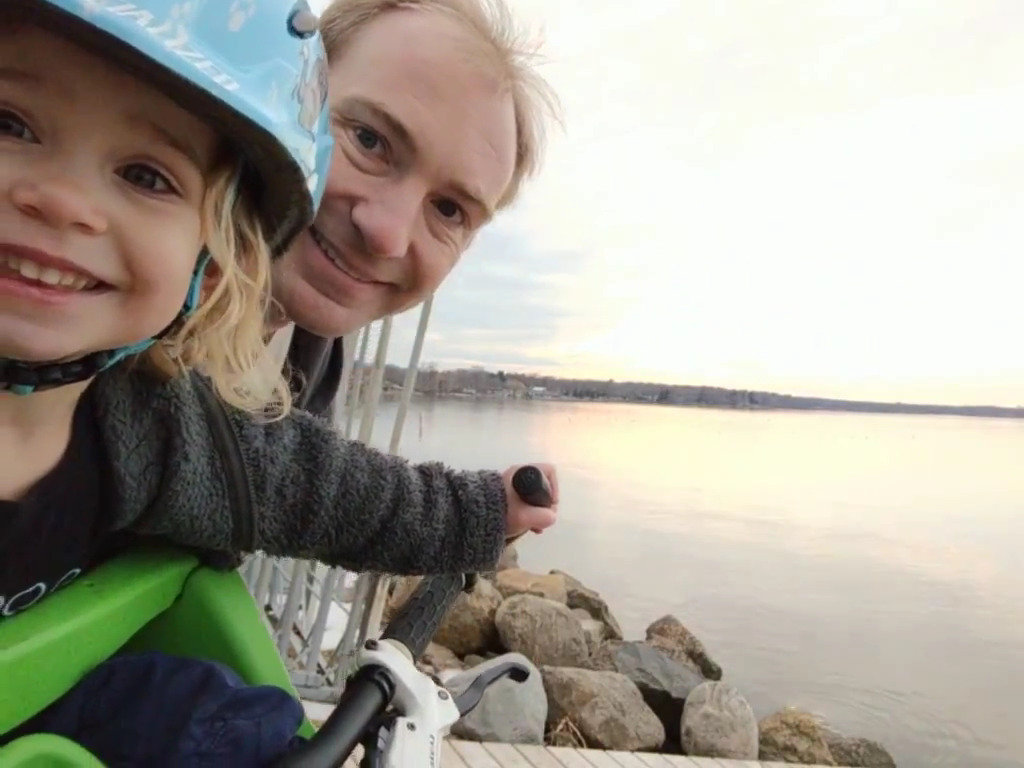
(318, 615)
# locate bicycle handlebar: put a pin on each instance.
(370, 690)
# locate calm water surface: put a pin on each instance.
(868, 568)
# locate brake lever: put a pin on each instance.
(490, 673)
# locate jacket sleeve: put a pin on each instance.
(314, 495)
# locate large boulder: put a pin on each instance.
(669, 634)
(517, 581)
(509, 712)
(604, 707)
(662, 681)
(437, 659)
(593, 629)
(794, 736)
(580, 596)
(856, 752)
(542, 630)
(718, 722)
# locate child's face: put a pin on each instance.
(102, 179)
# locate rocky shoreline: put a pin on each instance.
(591, 687)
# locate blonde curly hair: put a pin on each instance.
(225, 338)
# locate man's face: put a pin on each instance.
(425, 147)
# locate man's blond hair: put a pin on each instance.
(492, 24)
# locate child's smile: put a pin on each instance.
(42, 276)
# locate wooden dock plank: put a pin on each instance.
(508, 756)
(538, 756)
(682, 761)
(475, 755)
(450, 757)
(652, 759)
(600, 759)
(627, 760)
(570, 758)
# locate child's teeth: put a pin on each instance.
(49, 276)
(30, 270)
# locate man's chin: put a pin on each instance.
(321, 316)
(301, 302)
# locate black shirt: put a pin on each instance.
(315, 365)
(58, 529)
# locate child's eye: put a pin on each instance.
(146, 177)
(12, 125)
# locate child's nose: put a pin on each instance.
(58, 202)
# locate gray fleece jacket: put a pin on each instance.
(313, 494)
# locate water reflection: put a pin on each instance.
(866, 567)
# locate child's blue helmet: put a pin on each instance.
(255, 69)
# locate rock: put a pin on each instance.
(662, 681)
(593, 629)
(469, 625)
(579, 596)
(674, 652)
(856, 752)
(718, 722)
(605, 707)
(516, 581)
(544, 631)
(793, 736)
(668, 632)
(436, 659)
(509, 712)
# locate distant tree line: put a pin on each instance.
(481, 382)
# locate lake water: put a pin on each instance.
(867, 568)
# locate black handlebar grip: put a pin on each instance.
(416, 622)
(532, 487)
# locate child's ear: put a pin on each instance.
(211, 277)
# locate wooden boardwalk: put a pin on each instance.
(470, 754)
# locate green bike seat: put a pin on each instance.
(147, 599)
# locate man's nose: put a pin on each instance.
(387, 225)
(59, 202)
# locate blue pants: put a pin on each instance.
(152, 709)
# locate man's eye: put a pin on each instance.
(450, 210)
(368, 140)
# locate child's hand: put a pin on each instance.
(520, 516)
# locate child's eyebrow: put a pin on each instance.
(22, 77)
(181, 146)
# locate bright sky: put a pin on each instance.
(813, 197)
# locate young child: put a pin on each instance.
(123, 197)
(153, 156)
